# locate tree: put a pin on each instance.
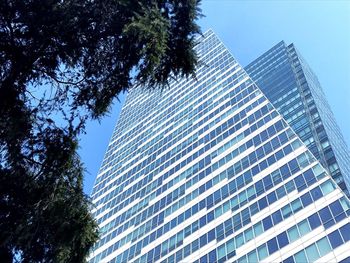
(69, 59)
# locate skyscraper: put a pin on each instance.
(208, 171)
(289, 83)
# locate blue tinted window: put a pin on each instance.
(314, 221)
(345, 231)
(267, 223)
(210, 216)
(277, 217)
(202, 221)
(288, 260)
(262, 203)
(211, 235)
(326, 217)
(212, 256)
(271, 197)
(202, 259)
(293, 165)
(316, 193)
(336, 208)
(282, 240)
(259, 187)
(335, 239)
(306, 199)
(345, 260)
(309, 177)
(300, 182)
(272, 246)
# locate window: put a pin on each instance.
(323, 246)
(282, 240)
(327, 187)
(277, 217)
(316, 193)
(286, 211)
(221, 251)
(306, 199)
(312, 253)
(258, 229)
(239, 240)
(326, 217)
(272, 245)
(267, 223)
(314, 221)
(300, 257)
(262, 252)
(293, 234)
(252, 257)
(335, 239)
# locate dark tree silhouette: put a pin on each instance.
(61, 63)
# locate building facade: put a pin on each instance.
(289, 83)
(209, 171)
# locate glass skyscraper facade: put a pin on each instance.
(209, 171)
(289, 83)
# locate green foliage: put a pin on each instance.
(63, 62)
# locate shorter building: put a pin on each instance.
(289, 83)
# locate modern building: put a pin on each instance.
(289, 83)
(209, 171)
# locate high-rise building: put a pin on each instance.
(209, 171)
(288, 82)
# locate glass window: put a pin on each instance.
(230, 246)
(242, 259)
(242, 197)
(286, 211)
(251, 191)
(300, 182)
(304, 227)
(252, 257)
(239, 240)
(326, 217)
(296, 205)
(262, 252)
(217, 212)
(336, 208)
(258, 229)
(316, 193)
(262, 203)
(212, 256)
(221, 251)
(300, 257)
(312, 253)
(335, 239)
(271, 197)
(272, 245)
(234, 202)
(327, 187)
(288, 260)
(314, 221)
(226, 206)
(203, 240)
(211, 235)
(345, 231)
(267, 223)
(293, 234)
(306, 199)
(280, 192)
(277, 217)
(282, 240)
(290, 186)
(323, 246)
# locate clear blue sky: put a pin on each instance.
(319, 29)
